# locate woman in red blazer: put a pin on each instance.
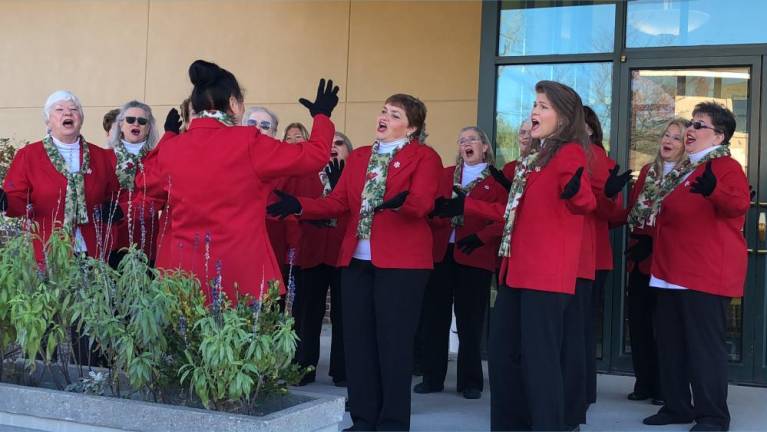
(133, 136)
(215, 179)
(317, 261)
(65, 182)
(698, 265)
(640, 298)
(540, 248)
(388, 190)
(463, 272)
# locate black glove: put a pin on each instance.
(642, 249)
(705, 183)
(109, 212)
(751, 192)
(3, 201)
(469, 243)
(616, 182)
(286, 206)
(449, 207)
(326, 100)
(572, 187)
(500, 178)
(319, 223)
(173, 121)
(333, 171)
(392, 203)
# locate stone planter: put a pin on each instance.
(52, 410)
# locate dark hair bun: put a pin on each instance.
(203, 73)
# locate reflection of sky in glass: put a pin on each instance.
(516, 94)
(652, 23)
(556, 30)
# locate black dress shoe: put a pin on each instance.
(661, 419)
(472, 393)
(708, 427)
(424, 388)
(637, 396)
(657, 401)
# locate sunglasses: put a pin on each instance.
(263, 124)
(338, 142)
(141, 120)
(700, 125)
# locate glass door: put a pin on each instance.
(655, 91)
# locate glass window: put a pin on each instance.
(516, 94)
(555, 27)
(654, 23)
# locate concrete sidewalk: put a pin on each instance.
(449, 411)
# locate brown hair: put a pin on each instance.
(596, 127)
(298, 126)
(572, 123)
(109, 119)
(186, 116)
(415, 110)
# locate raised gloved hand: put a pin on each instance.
(3, 201)
(616, 182)
(286, 206)
(641, 249)
(173, 121)
(394, 202)
(325, 101)
(109, 212)
(705, 183)
(333, 171)
(450, 207)
(469, 243)
(572, 186)
(500, 178)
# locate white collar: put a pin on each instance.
(65, 145)
(696, 157)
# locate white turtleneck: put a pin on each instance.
(694, 158)
(668, 166)
(468, 175)
(362, 251)
(71, 155)
(133, 148)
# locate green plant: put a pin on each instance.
(7, 151)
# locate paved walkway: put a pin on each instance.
(449, 411)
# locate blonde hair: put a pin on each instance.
(681, 123)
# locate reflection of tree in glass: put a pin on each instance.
(511, 32)
(652, 106)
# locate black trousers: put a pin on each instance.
(381, 308)
(312, 290)
(691, 330)
(574, 353)
(525, 348)
(641, 301)
(470, 287)
(593, 305)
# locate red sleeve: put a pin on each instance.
(17, 186)
(150, 184)
(272, 158)
(424, 185)
(619, 216)
(731, 195)
(569, 158)
(488, 210)
(493, 231)
(336, 202)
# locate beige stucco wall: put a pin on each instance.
(110, 51)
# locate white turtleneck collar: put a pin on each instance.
(668, 166)
(133, 148)
(471, 172)
(62, 144)
(389, 146)
(696, 157)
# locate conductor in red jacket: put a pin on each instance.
(388, 190)
(468, 254)
(64, 182)
(216, 177)
(698, 265)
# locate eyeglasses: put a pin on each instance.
(700, 125)
(141, 120)
(263, 124)
(469, 140)
(338, 142)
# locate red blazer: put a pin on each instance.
(699, 240)
(216, 180)
(278, 228)
(316, 245)
(546, 241)
(143, 226)
(486, 256)
(399, 238)
(619, 217)
(33, 180)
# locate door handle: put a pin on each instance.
(758, 251)
(762, 226)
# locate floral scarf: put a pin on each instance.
(128, 164)
(326, 189)
(657, 187)
(75, 208)
(218, 115)
(374, 189)
(518, 183)
(457, 221)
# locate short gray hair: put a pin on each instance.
(59, 96)
(347, 141)
(152, 136)
(270, 113)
